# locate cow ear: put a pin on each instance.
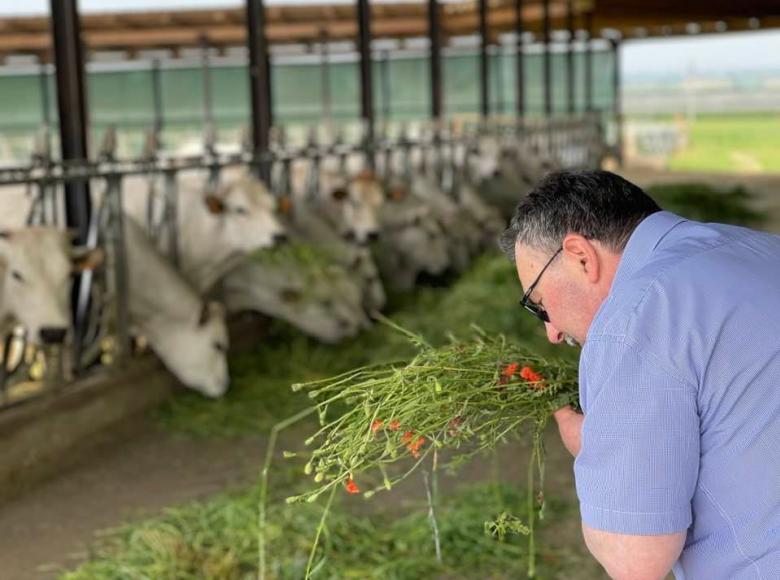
(396, 193)
(285, 205)
(214, 204)
(205, 314)
(87, 259)
(209, 311)
(339, 194)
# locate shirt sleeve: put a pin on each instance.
(639, 461)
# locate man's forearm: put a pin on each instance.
(570, 428)
(629, 557)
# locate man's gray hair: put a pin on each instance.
(598, 205)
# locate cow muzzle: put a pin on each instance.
(53, 334)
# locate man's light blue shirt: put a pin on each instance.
(680, 386)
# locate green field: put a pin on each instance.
(731, 144)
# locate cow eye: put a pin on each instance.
(241, 210)
(339, 194)
(219, 347)
(17, 275)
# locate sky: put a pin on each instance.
(714, 53)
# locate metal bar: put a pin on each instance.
(116, 237)
(520, 56)
(498, 53)
(484, 72)
(259, 84)
(434, 36)
(208, 103)
(366, 85)
(589, 61)
(157, 99)
(327, 105)
(547, 63)
(384, 72)
(71, 101)
(570, 55)
(616, 99)
(43, 80)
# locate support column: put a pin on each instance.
(589, 62)
(617, 108)
(484, 72)
(519, 64)
(259, 83)
(570, 56)
(366, 83)
(547, 64)
(434, 35)
(71, 102)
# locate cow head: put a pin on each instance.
(36, 264)
(195, 349)
(248, 214)
(352, 205)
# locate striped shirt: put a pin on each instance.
(680, 386)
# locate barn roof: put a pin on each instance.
(223, 28)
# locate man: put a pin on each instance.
(678, 451)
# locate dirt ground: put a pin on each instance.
(51, 526)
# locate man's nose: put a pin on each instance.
(554, 335)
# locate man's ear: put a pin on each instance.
(582, 256)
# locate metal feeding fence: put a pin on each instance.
(360, 97)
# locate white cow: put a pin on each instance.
(412, 241)
(327, 306)
(188, 334)
(36, 264)
(216, 229)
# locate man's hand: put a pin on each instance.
(570, 426)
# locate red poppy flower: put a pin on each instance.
(376, 425)
(510, 370)
(414, 448)
(394, 425)
(529, 375)
(352, 486)
(407, 437)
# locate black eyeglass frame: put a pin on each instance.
(526, 302)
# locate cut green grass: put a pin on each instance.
(217, 540)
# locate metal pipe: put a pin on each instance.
(384, 74)
(570, 55)
(43, 81)
(71, 101)
(157, 99)
(366, 85)
(434, 36)
(484, 72)
(616, 99)
(589, 61)
(208, 104)
(327, 106)
(259, 84)
(547, 64)
(499, 79)
(519, 64)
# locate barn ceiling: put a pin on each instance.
(224, 28)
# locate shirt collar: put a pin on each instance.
(644, 239)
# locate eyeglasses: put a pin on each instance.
(526, 302)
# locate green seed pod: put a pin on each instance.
(289, 454)
(319, 477)
(308, 468)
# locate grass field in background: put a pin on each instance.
(731, 143)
